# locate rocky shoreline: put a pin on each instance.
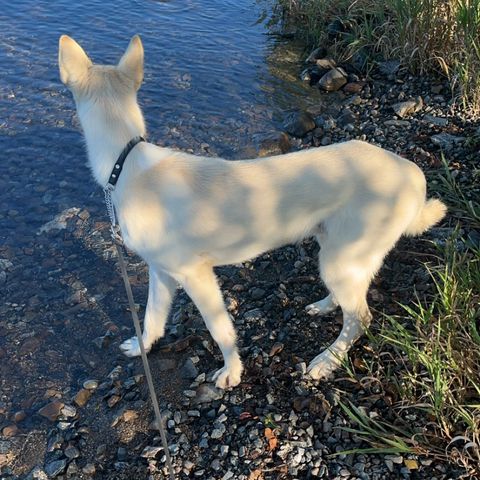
(277, 424)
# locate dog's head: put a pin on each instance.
(86, 79)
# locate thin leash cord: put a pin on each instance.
(117, 240)
(146, 365)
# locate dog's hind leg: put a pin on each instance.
(322, 307)
(347, 268)
(161, 290)
(352, 250)
(351, 295)
(201, 285)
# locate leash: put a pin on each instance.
(117, 240)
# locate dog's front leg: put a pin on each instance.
(201, 285)
(161, 289)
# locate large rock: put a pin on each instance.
(319, 52)
(333, 80)
(299, 124)
(276, 144)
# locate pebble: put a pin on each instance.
(353, 87)
(89, 469)
(207, 393)
(276, 349)
(37, 474)
(90, 384)
(150, 452)
(224, 450)
(51, 410)
(446, 141)
(69, 411)
(326, 63)
(101, 450)
(333, 80)
(177, 417)
(253, 315)
(55, 468)
(71, 452)
(301, 367)
(397, 123)
(403, 109)
(274, 145)
(441, 122)
(10, 430)
(54, 442)
(189, 370)
(398, 459)
(121, 454)
(113, 400)
(19, 416)
(316, 54)
(257, 293)
(222, 418)
(218, 431)
(299, 124)
(82, 397)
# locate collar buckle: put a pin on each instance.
(117, 168)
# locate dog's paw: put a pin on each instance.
(131, 347)
(323, 365)
(228, 377)
(321, 307)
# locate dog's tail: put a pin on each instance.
(432, 212)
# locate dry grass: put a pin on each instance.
(426, 35)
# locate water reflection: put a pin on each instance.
(214, 82)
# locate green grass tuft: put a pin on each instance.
(429, 356)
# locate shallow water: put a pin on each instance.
(215, 82)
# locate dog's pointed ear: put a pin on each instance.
(131, 64)
(72, 60)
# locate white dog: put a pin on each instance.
(186, 214)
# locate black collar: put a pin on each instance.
(117, 168)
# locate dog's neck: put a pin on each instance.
(107, 130)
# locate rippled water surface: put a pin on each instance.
(215, 80)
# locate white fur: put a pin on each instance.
(186, 214)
